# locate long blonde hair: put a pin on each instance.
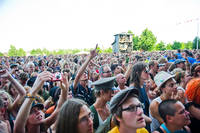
(3, 92)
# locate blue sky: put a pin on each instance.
(63, 24)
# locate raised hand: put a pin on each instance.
(65, 80)
(94, 52)
(41, 78)
(4, 74)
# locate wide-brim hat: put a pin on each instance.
(121, 97)
(162, 77)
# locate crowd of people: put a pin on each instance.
(137, 92)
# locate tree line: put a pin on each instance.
(147, 41)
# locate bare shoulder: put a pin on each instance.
(154, 104)
(154, 108)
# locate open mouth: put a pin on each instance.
(141, 119)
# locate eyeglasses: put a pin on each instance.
(86, 118)
(134, 108)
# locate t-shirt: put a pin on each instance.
(116, 130)
(83, 94)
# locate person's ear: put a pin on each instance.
(169, 118)
(101, 92)
(117, 118)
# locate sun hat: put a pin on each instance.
(162, 77)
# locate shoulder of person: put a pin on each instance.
(142, 130)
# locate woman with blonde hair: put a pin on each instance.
(11, 106)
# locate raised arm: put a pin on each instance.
(18, 87)
(64, 85)
(22, 116)
(92, 54)
(129, 69)
(15, 83)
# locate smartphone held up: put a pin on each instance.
(57, 77)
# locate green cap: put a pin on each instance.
(104, 83)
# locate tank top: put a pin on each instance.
(155, 123)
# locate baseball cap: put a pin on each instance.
(36, 104)
(177, 61)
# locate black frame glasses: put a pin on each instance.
(134, 108)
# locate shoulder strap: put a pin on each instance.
(165, 128)
(96, 118)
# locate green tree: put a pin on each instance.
(33, 52)
(39, 51)
(100, 50)
(194, 46)
(147, 40)
(108, 50)
(46, 52)
(61, 52)
(12, 51)
(130, 32)
(1, 54)
(136, 43)
(176, 45)
(160, 46)
(76, 51)
(169, 46)
(21, 52)
(187, 45)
